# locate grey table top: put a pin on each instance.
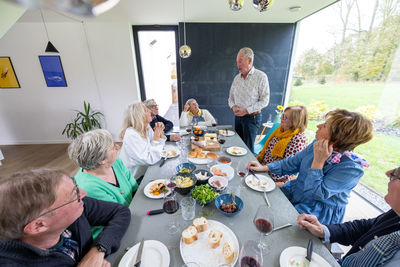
(153, 227)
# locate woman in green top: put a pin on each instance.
(102, 175)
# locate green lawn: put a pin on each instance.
(382, 152)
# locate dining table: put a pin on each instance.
(153, 227)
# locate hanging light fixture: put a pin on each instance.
(236, 5)
(50, 48)
(184, 51)
(262, 5)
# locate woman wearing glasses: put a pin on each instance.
(141, 145)
(102, 174)
(375, 241)
(328, 169)
(286, 141)
(193, 114)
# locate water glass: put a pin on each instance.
(188, 208)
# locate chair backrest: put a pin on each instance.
(259, 146)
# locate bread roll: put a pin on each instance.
(197, 150)
(201, 155)
(192, 154)
(212, 155)
(214, 238)
(228, 253)
(190, 234)
(201, 224)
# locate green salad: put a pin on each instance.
(204, 194)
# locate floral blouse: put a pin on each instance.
(296, 144)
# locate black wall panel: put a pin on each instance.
(208, 73)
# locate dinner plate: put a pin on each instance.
(201, 252)
(146, 189)
(253, 183)
(295, 256)
(236, 151)
(154, 253)
(199, 161)
(173, 152)
(230, 172)
(226, 133)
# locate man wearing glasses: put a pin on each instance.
(46, 221)
(168, 125)
(374, 241)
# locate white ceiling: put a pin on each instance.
(164, 12)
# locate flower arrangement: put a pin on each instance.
(279, 111)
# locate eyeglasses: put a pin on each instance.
(154, 106)
(284, 117)
(78, 197)
(395, 174)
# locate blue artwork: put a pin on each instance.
(53, 71)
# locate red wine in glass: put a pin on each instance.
(247, 261)
(170, 206)
(188, 130)
(264, 226)
(221, 141)
(242, 174)
(171, 185)
(213, 124)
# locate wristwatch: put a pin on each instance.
(101, 248)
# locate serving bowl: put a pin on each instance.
(222, 183)
(203, 187)
(204, 172)
(199, 132)
(224, 160)
(184, 182)
(190, 167)
(226, 199)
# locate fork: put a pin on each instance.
(262, 186)
(233, 197)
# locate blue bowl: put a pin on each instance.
(205, 172)
(225, 199)
(203, 132)
(186, 165)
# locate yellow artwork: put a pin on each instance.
(8, 78)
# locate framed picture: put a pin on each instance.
(53, 71)
(8, 78)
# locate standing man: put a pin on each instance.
(248, 95)
(168, 125)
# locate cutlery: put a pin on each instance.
(309, 253)
(265, 196)
(163, 159)
(154, 212)
(262, 186)
(139, 255)
(281, 227)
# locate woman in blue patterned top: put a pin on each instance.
(328, 169)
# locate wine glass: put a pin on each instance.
(170, 206)
(241, 169)
(214, 124)
(250, 255)
(221, 140)
(264, 222)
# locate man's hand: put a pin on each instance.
(175, 137)
(240, 112)
(158, 131)
(322, 151)
(310, 223)
(186, 108)
(256, 166)
(94, 258)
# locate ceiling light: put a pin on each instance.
(236, 5)
(295, 8)
(262, 5)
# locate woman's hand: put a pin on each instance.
(158, 131)
(256, 166)
(310, 222)
(186, 108)
(322, 151)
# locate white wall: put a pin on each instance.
(10, 13)
(36, 113)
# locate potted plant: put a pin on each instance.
(84, 121)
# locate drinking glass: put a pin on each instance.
(171, 206)
(221, 140)
(188, 208)
(241, 169)
(264, 222)
(250, 255)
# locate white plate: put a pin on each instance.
(230, 172)
(171, 152)
(199, 161)
(295, 256)
(146, 189)
(236, 151)
(154, 253)
(253, 183)
(201, 252)
(229, 133)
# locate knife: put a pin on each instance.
(139, 255)
(163, 159)
(309, 253)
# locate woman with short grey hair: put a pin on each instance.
(103, 175)
(193, 114)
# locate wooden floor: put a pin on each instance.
(26, 157)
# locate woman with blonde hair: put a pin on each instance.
(287, 140)
(328, 168)
(141, 145)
